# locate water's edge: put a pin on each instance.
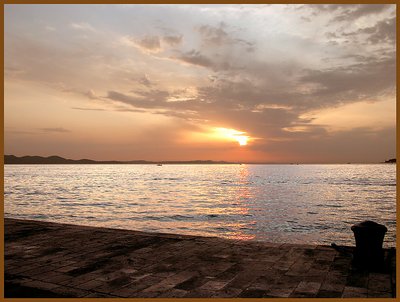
(276, 203)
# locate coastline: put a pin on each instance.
(44, 259)
(57, 160)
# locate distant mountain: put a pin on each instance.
(390, 161)
(57, 160)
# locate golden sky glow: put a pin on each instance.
(233, 134)
(257, 83)
(219, 135)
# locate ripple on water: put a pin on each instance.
(282, 203)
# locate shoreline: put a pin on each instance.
(45, 259)
(387, 245)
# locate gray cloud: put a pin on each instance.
(351, 83)
(267, 111)
(348, 12)
(352, 12)
(151, 43)
(194, 57)
(155, 99)
(173, 40)
(214, 35)
(382, 32)
(218, 36)
(145, 80)
(149, 99)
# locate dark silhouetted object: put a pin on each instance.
(54, 160)
(390, 161)
(369, 239)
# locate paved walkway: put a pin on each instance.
(58, 260)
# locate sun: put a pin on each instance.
(219, 134)
(233, 134)
(242, 139)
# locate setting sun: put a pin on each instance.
(233, 134)
(242, 140)
(219, 135)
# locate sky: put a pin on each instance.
(244, 83)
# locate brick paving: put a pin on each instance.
(45, 259)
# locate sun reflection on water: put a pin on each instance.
(274, 203)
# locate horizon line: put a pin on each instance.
(199, 160)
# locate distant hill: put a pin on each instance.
(390, 161)
(57, 160)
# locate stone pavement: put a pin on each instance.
(45, 259)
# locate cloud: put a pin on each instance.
(194, 57)
(91, 94)
(350, 13)
(214, 35)
(263, 99)
(154, 43)
(148, 43)
(197, 58)
(125, 109)
(56, 130)
(151, 99)
(355, 82)
(173, 40)
(50, 28)
(383, 31)
(84, 26)
(157, 99)
(114, 108)
(257, 74)
(87, 109)
(145, 80)
(217, 36)
(153, 94)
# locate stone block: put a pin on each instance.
(308, 287)
(354, 292)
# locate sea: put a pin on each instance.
(306, 204)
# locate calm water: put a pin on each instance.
(276, 203)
